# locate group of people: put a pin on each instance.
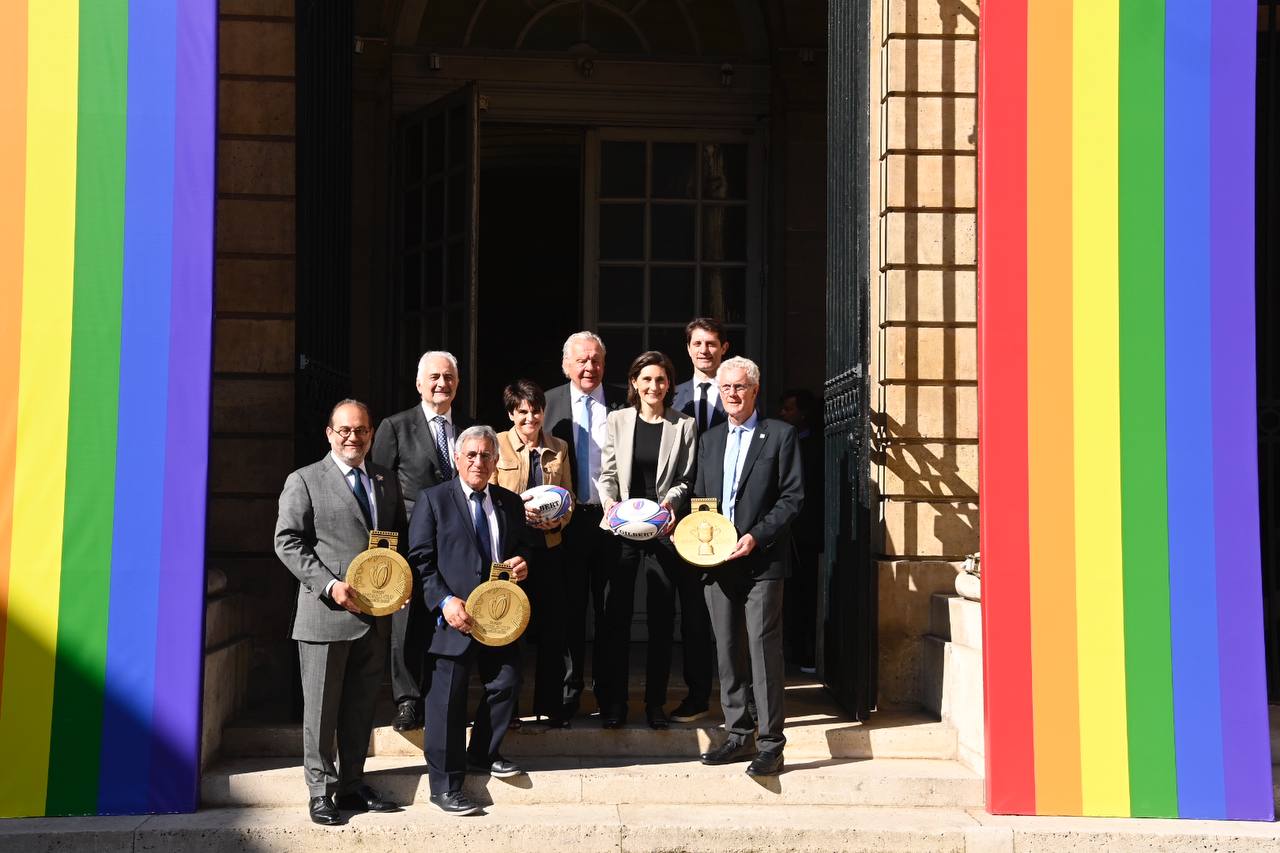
(453, 488)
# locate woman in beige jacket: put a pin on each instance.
(649, 452)
(529, 457)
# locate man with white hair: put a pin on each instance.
(576, 414)
(418, 444)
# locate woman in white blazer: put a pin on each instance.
(650, 451)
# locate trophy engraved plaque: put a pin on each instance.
(704, 537)
(380, 578)
(499, 609)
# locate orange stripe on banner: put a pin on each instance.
(13, 178)
(1051, 471)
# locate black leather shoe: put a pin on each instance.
(656, 717)
(688, 711)
(729, 752)
(614, 718)
(558, 720)
(455, 803)
(766, 764)
(365, 799)
(324, 812)
(406, 718)
(499, 768)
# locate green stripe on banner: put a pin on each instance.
(80, 671)
(1144, 518)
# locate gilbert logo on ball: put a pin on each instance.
(638, 519)
(551, 503)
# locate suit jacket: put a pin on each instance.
(558, 422)
(404, 444)
(445, 553)
(512, 472)
(319, 531)
(684, 403)
(676, 457)
(770, 493)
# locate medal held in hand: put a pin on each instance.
(380, 578)
(704, 537)
(499, 609)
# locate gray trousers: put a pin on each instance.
(340, 684)
(746, 616)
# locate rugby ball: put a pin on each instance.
(638, 519)
(551, 503)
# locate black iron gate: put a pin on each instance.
(1268, 321)
(848, 646)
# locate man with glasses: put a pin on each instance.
(326, 512)
(418, 445)
(458, 530)
(752, 466)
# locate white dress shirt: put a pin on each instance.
(599, 430)
(452, 431)
(713, 396)
(368, 490)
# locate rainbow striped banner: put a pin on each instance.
(1122, 583)
(106, 267)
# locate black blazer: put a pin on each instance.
(445, 554)
(770, 494)
(404, 444)
(558, 421)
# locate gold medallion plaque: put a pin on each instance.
(380, 577)
(704, 537)
(499, 609)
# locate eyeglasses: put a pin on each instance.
(347, 432)
(735, 389)
(473, 455)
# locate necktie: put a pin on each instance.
(730, 486)
(482, 526)
(702, 405)
(535, 468)
(442, 446)
(582, 449)
(362, 498)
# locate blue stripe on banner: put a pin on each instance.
(1192, 591)
(144, 359)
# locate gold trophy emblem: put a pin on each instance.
(704, 537)
(380, 578)
(499, 609)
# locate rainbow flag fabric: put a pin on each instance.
(1122, 608)
(106, 270)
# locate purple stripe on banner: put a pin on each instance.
(144, 359)
(1193, 614)
(175, 751)
(1245, 746)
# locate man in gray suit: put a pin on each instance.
(699, 397)
(326, 512)
(418, 445)
(752, 466)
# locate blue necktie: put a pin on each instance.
(730, 487)
(442, 447)
(482, 526)
(582, 448)
(362, 498)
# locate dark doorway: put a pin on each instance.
(530, 263)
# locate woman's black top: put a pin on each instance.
(644, 459)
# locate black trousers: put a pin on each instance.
(589, 553)
(666, 578)
(411, 630)
(444, 738)
(546, 588)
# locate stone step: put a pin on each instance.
(873, 782)
(589, 828)
(889, 734)
(956, 619)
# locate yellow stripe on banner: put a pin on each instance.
(1104, 752)
(44, 378)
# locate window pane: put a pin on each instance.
(433, 281)
(435, 211)
(622, 169)
(724, 171)
(621, 294)
(670, 340)
(673, 170)
(621, 232)
(623, 345)
(458, 136)
(457, 203)
(673, 232)
(724, 293)
(671, 294)
(457, 287)
(412, 164)
(413, 217)
(411, 281)
(435, 144)
(724, 233)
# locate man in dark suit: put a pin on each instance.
(577, 413)
(752, 466)
(418, 445)
(326, 512)
(699, 397)
(458, 530)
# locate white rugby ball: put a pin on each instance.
(638, 519)
(551, 503)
